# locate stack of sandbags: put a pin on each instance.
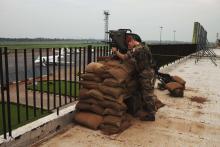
(176, 87)
(88, 119)
(105, 86)
(115, 124)
(179, 80)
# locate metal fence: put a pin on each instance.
(35, 82)
(167, 53)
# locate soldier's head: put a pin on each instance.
(131, 42)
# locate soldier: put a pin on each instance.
(142, 59)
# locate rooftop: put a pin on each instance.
(182, 122)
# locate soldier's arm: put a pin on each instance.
(120, 55)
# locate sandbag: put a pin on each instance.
(119, 100)
(90, 101)
(110, 98)
(82, 106)
(177, 92)
(118, 74)
(83, 93)
(95, 94)
(115, 92)
(89, 84)
(95, 67)
(110, 129)
(119, 64)
(126, 124)
(111, 82)
(109, 111)
(90, 77)
(90, 120)
(97, 109)
(112, 105)
(113, 120)
(90, 107)
(113, 63)
(173, 85)
(106, 75)
(179, 80)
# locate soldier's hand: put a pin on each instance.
(114, 49)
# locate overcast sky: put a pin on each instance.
(85, 19)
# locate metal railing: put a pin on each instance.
(164, 54)
(35, 82)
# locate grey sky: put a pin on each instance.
(84, 18)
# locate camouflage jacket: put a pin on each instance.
(141, 57)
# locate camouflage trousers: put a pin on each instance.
(146, 82)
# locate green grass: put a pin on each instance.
(14, 116)
(51, 87)
(23, 119)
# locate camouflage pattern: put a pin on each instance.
(146, 81)
(142, 58)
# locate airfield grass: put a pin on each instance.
(23, 117)
(62, 87)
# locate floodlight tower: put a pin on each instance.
(106, 13)
(161, 28)
(174, 35)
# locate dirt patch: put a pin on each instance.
(198, 99)
(67, 136)
(199, 107)
(198, 113)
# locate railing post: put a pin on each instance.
(89, 54)
(75, 62)
(17, 85)
(54, 79)
(71, 70)
(48, 83)
(59, 77)
(34, 84)
(41, 81)
(8, 91)
(25, 84)
(65, 74)
(2, 95)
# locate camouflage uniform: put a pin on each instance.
(142, 59)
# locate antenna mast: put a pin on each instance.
(106, 13)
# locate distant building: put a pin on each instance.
(218, 43)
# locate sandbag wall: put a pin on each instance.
(104, 88)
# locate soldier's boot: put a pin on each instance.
(149, 117)
(145, 116)
(151, 108)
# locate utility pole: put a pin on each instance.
(106, 13)
(161, 28)
(174, 37)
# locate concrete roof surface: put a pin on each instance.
(182, 122)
